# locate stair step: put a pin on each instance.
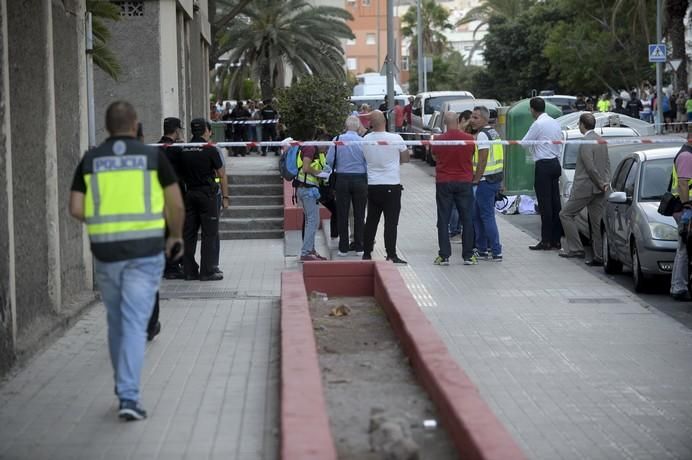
(250, 179)
(253, 211)
(250, 234)
(250, 200)
(256, 189)
(253, 223)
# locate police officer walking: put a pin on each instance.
(199, 168)
(127, 192)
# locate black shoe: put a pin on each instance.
(217, 270)
(541, 246)
(212, 277)
(193, 277)
(557, 246)
(352, 246)
(367, 256)
(131, 410)
(174, 275)
(572, 254)
(397, 260)
(594, 263)
(681, 296)
(264, 154)
(154, 331)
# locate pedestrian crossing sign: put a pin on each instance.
(657, 52)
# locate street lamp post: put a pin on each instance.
(659, 73)
(391, 54)
(419, 45)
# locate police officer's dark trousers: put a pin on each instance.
(201, 210)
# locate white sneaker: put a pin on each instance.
(360, 253)
(343, 254)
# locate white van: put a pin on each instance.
(373, 84)
(426, 104)
(376, 101)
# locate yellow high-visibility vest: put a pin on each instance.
(317, 163)
(496, 155)
(603, 105)
(124, 201)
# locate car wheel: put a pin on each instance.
(611, 265)
(637, 275)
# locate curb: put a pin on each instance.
(305, 429)
(475, 430)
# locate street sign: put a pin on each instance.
(675, 63)
(657, 52)
(428, 64)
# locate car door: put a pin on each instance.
(625, 211)
(613, 214)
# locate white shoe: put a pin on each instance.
(342, 254)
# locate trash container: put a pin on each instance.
(217, 131)
(519, 164)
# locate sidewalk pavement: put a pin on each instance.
(574, 365)
(210, 379)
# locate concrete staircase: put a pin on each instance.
(256, 207)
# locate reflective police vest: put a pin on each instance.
(317, 164)
(495, 163)
(124, 201)
(674, 180)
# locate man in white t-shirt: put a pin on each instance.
(384, 185)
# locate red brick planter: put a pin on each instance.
(293, 213)
(476, 432)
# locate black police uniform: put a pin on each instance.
(269, 129)
(197, 169)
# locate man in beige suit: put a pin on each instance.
(591, 181)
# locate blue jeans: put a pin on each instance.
(484, 218)
(454, 222)
(460, 196)
(308, 197)
(128, 289)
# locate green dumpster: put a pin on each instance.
(519, 164)
(217, 131)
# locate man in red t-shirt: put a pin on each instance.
(453, 177)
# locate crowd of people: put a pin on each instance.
(254, 121)
(676, 108)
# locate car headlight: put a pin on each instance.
(661, 231)
(567, 189)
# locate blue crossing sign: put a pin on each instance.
(657, 52)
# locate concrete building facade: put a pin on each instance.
(45, 261)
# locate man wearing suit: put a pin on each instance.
(591, 179)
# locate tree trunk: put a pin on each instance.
(675, 15)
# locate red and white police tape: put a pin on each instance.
(243, 122)
(611, 141)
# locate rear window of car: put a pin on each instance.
(436, 102)
(655, 179)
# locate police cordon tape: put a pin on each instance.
(244, 122)
(614, 141)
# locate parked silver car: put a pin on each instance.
(635, 235)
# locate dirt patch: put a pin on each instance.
(372, 394)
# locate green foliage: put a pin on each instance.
(104, 58)
(602, 50)
(270, 35)
(314, 102)
(435, 19)
(249, 90)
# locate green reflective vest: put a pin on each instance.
(496, 155)
(124, 201)
(318, 164)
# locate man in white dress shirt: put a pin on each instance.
(547, 173)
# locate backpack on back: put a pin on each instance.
(288, 163)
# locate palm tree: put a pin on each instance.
(270, 35)
(435, 20)
(675, 29)
(103, 56)
(506, 9)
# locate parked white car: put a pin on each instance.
(608, 119)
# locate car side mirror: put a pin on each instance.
(617, 198)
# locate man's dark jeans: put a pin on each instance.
(382, 199)
(351, 189)
(460, 196)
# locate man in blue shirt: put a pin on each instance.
(349, 163)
